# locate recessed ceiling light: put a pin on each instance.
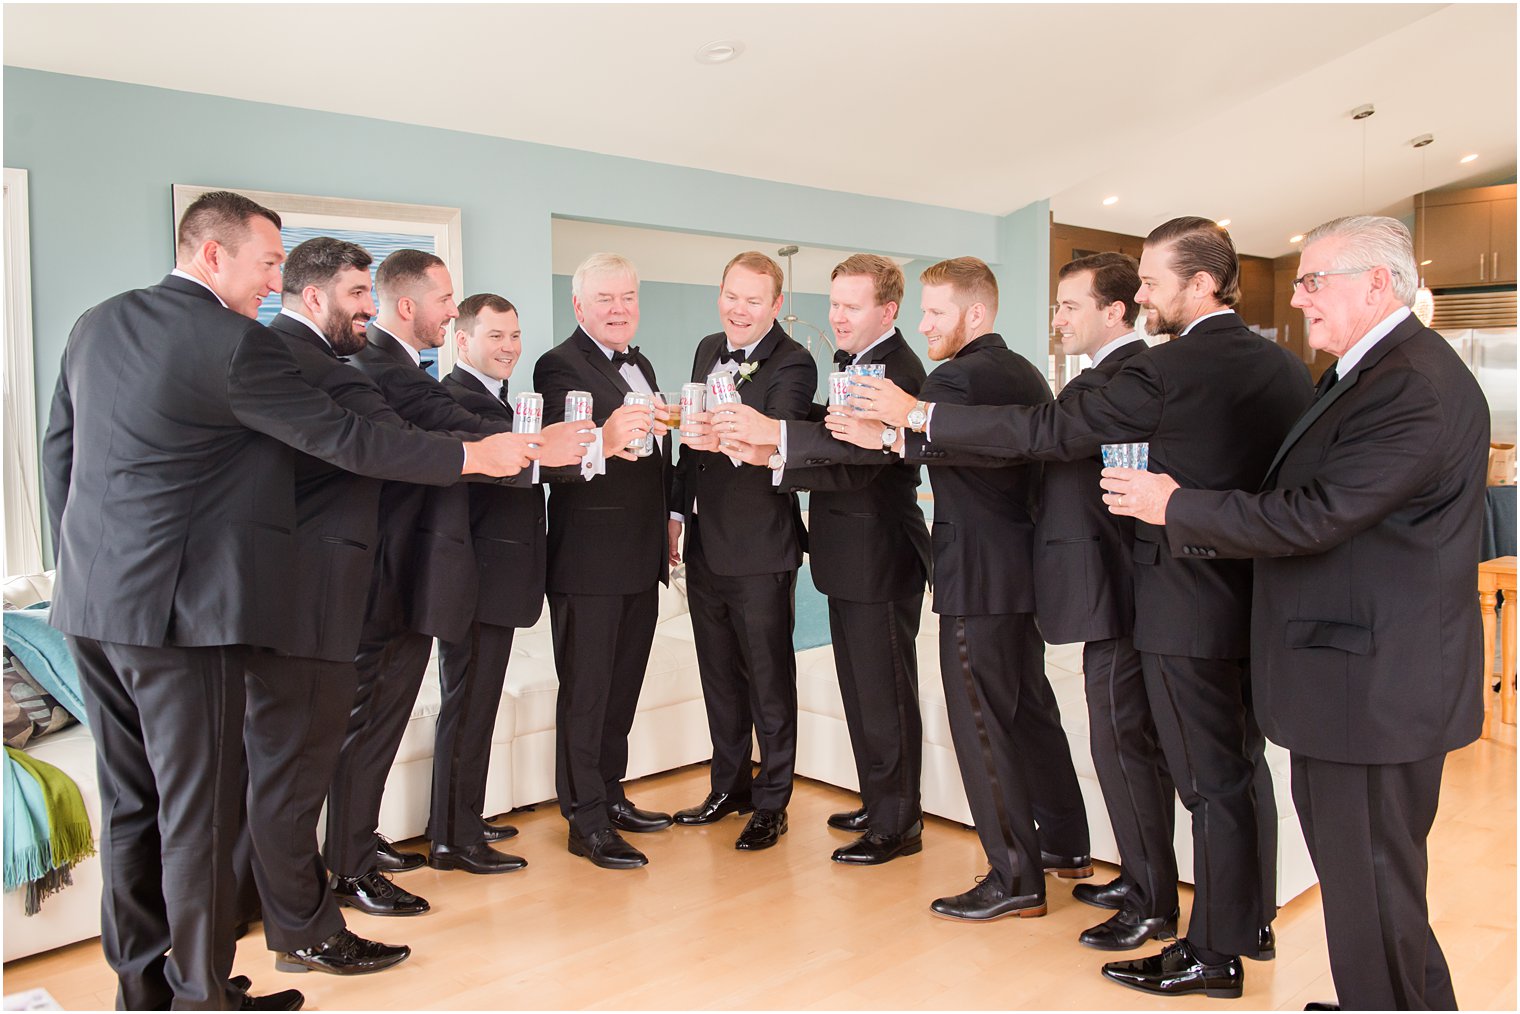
(1423, 263)
(1222, 222)
(721, 51)
(1296, 239)
(1468, 158)
(1107, 201)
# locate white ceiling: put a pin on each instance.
(1237, 110)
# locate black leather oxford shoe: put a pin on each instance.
(390, 859)
(1109, 895)
(376, 894)
(872, 849)
(285, 999)
(1266, 943)
(496, 832)
(627, 817)
(1321, 1005)
(714, 808)
(987, 901)
(764, 829)
(607, 849)
(1177, 971)
(343, 953)
(856, 820)
(1124, 932)
(480, 858)
(1067, 867)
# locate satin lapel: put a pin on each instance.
(472, 383)
(1307, 419)
(889, 345)
(599, 362)
(381, 341)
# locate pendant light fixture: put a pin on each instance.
(1424, 307)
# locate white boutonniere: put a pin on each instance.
(746, 371)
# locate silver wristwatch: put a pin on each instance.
(918, 417)
(888, 438)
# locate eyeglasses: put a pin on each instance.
(1310, 281)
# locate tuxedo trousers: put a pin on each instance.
(294, 704)
(470, 677)
(167, 725)
(743, 631)
(1199, 707)
(877, 661)
(1014, 758)
(1137, 789)
(601, 650)
(390, 674)
(1366, 826)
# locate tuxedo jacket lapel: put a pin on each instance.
(1400, 334)
(599, 361)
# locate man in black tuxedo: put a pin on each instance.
(743, 546)
(425, 583)
(296, 700)
(870, 555)
(1014, 758)
(507, 531)
(1213, 404)
(607, 558)
(1084, 591)
(1365, 633)
(169, 479)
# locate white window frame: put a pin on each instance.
(22, 501)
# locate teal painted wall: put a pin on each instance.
(101, 158)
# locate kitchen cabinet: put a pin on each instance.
(1468, 236)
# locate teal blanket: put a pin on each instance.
(46, 828)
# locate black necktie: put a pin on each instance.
(843, 358)
(1326, 382)
(732, 356)
(619, 358)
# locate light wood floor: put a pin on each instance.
(707, 927)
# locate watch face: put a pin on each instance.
(916, 418)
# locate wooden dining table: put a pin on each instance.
(1495, 576)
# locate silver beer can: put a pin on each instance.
(693, 399)
(721, 389)
(839, 388)
(645, 447)
(578, 406)
(528, 413)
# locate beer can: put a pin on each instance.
(645, 447)
(839, 388)
(721, 389)
(578, 406)
(528, 413)
(693, 399)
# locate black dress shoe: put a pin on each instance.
(1318, 1005)
(872, 849)
(343, 953)
(764, 829)
(1177, 971)
(607, 849)
(496, 832)
(1124, 932)
(987, 901)
(285, 999)
(856, 820)
(391, 860)
(374, 893)
(1067, 867)
(241, 983)
(480, 858)
(714, 808)
(1109, 895)
(1266, 943)
(627, 817)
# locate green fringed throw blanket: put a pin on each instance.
(46, 828)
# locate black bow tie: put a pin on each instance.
(502, 394)
(843, 358)
(733, 356)
(627, 356)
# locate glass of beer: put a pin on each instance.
(668, 411)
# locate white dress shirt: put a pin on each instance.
(1357, 352)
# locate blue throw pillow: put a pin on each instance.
(44, 652)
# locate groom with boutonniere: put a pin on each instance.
(743, 546)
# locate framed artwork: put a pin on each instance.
(378, 226)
